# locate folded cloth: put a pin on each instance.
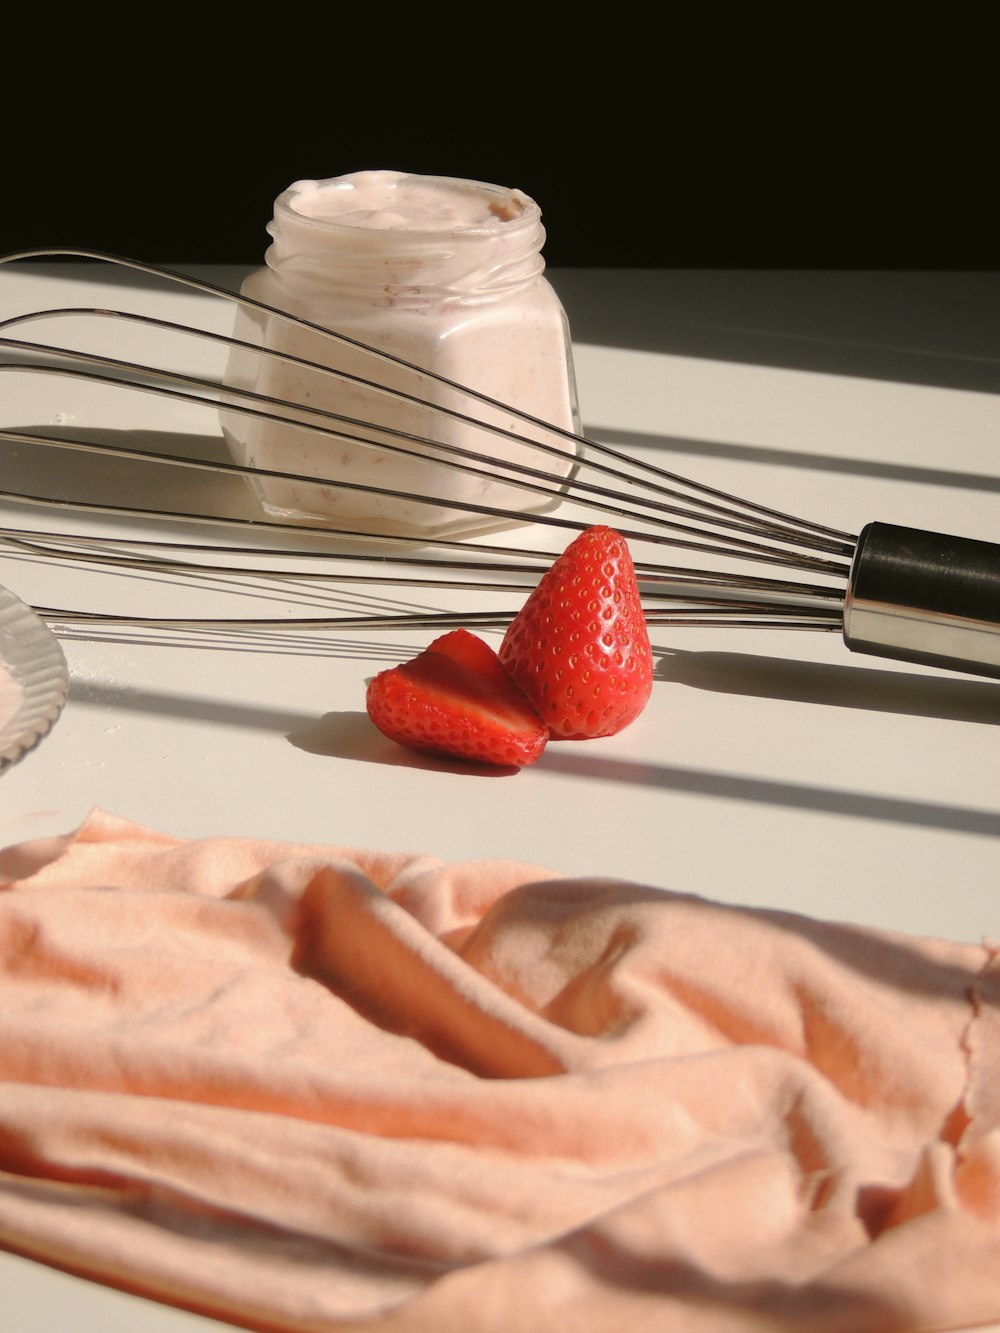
(315, 1088)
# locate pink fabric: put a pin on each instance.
(314, 1088)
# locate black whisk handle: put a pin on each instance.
(925, 597)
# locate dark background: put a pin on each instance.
(719, 143)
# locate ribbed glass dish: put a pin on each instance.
(30, 656)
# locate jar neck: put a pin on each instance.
(486, 259)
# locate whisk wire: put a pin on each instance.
(469, 461)
(779, 527)
(594, 447)
(669, 509)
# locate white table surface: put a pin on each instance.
(773, 769)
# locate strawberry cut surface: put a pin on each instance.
(455, 699)
(579, 647)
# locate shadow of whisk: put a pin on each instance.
(848, 686)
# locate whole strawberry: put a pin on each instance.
(579, 647)
(456, 699)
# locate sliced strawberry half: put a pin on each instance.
(456, 699)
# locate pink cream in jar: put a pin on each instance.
(445, 275)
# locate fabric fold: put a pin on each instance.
(311, 1088)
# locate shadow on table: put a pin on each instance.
(802, 460)
(848, 686)
(763, 791)
(350, 735)
(934, 328)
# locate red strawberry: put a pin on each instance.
(579, 647)
(455, 698)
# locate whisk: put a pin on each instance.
(891, 591)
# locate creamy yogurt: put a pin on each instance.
(393, 201)
(448, 277)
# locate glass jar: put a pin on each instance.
(445, 275)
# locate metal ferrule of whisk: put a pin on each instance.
(925, 597)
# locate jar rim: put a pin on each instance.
(524, 210)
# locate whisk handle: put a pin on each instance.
(925, 597)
